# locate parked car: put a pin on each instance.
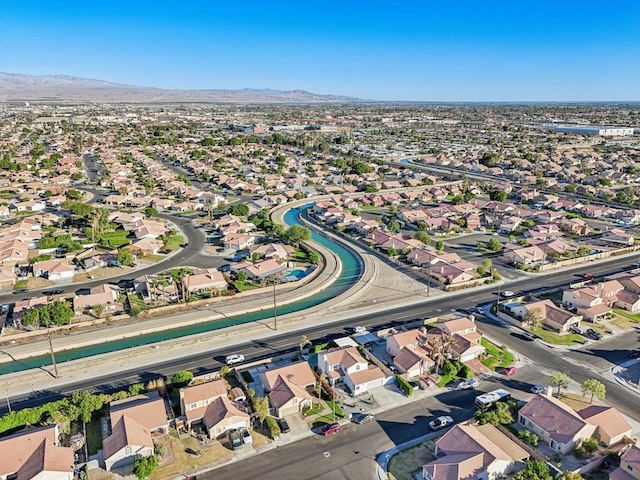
(414, 385)
(246, 436)
(508, 293)
(440, 423)
(537, 389)
(510, 371)
(21, 291)
(587, 276)
(284, 426)
(235, 439)
(359, 329)
(361, 418)
(52, 292)
(330, 429)
(576, 330)
(596, 335)
(467, 384)
(635, 353)
(234, 358)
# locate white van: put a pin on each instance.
(235, 358)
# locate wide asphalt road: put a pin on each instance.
(257, 349)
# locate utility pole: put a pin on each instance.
(428, 278)
(53, 357)
(275, 312)
(8, 402)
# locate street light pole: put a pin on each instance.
(53, 357)
(275, 310)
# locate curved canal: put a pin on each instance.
(351, 272)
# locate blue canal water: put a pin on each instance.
(351, 271)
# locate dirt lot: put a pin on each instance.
(405, 463)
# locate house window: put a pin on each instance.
(128, 449)
(630, 468)
(193, 405)
(357, 367)
(552, 443)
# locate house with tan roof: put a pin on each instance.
(629, 301)
(55, 269)
(194, 399)
(48, 462)
(474, 451)
(289, 387)
(413, 361)
(222, 415)
(347, 365)
(555, 423)
(527, 256)
(629, 468)
(128, 441)
(554, 317)
(612, 427)
(204, 280)
(16, 451)
(148, 409)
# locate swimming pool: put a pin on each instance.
(295, 274)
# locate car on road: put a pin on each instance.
(508, 293)
(635, 353)
(361, 418)
(414, 385)
(284, 426)
(52, 292)
(537, 389)
(440, 423)
(330, 429)
(528, 336)
(467, 384)
(21, 291)
(359, 329)
(593, 333)
(509, 371)
(587, 276)
(234, 358)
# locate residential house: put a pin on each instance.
(16, 451)
(22, 306)
(128, 441)
(204, 280)
(7, 277)
(54, 269)
(48, 462)
(273, 250)
(629, 468)
(195, 399)
(223, 415)
(451, 274)
(474, 452)
(527, 256)
(347, 365)
(105, 295)
(146, 246)
(612, 427)
(619, 236)
(238, 241)
(628, 300)
(594, 301)
(465, 339)
(289, 387)
(549, 314)
(260, 270)
(555, 423)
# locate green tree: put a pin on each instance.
(150, 212)
(181, 378)
(240, 210)
(274, 428)
(314, 258)
(393, 226)
(304, 342)
(423, 237)
(439, 245)
(494, 245)
(498, 195)
(86, 403)
(593, 387)
(242, 277)
(449, 369)
(590, 445)
(97, 310)
(534, 470)
(143, 467)
(261, 407)
(124, 256)
(560, 381)
(297, 233)
(569, 475)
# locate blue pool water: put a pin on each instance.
(296, 274)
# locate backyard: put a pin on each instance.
(494, 356)
(552, 337)
(404, 464)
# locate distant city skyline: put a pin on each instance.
(418, 51)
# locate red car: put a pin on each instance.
(587, 276)
(330, 429)
(510, 371)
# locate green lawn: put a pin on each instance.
(553, 296)
(631, 316)
(496, 357)
(551, 337)
(314, 410)
(94, 437)
(173, 243)
(444, 380)
(244, 286)
(20, 284)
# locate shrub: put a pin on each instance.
(274, 428)
(528, 437)
(578, 452)
(406, 388)
(590, 445)
(450, 369)
(181, 378)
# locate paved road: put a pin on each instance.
(353, 450)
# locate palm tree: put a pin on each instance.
(304, 341)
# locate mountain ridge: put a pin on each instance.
(17, 87)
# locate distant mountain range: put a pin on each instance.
(63, 88)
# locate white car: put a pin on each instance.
(537, 389)
(359, 329)
(233, 359)
(467, 384)
(508, 293)
(440, 423)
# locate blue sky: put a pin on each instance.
(450, 50)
